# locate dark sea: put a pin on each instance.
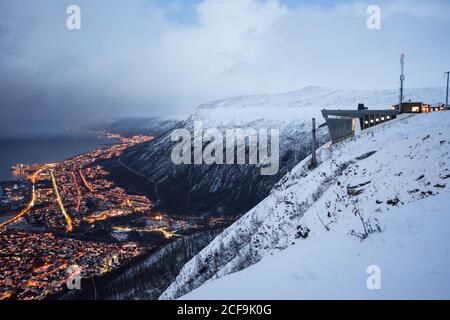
(45, 149)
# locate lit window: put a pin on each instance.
(415, 109)
(382, 118)
(366, 122)
(378, 119)
(371, 121)
(389, 117)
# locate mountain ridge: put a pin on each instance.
(233, 190)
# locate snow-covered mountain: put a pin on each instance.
(135, 126)
(381, 198)
(235, 189)
(304, 103)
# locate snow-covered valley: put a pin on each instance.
(381, 198)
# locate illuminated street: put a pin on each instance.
(61, 205)
(33, 265)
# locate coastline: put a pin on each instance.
(48, 149)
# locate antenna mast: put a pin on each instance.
(402, 80)
(446, 99)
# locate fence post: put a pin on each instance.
(313, 157)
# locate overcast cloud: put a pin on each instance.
(163, 58)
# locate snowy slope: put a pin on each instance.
(234, 190)
(371, 178)
(413, 254)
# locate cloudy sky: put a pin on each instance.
(163, 58)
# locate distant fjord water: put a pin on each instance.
(29, 150)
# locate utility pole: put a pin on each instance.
(313, 157)
(446, 99)
(402, 80)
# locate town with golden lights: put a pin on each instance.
(57, 215)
